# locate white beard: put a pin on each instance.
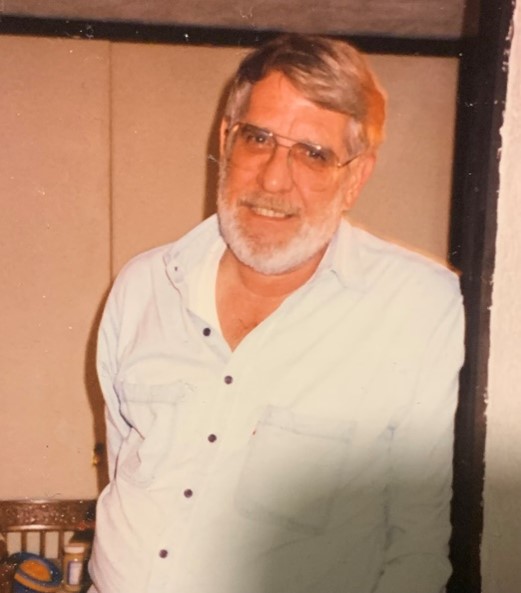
(269, 257)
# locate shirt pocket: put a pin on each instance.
(292, 470)
(152, 411)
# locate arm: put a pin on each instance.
(116, 427)
(420, 489)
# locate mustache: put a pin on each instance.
(268, 202)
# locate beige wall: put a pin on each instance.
(106, 151)
(164, 107)
(407, 199)
(54, 233)
(501, 547)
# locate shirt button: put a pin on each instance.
(163, 553)
(228, 379)
(188, 493)
(212, 438)
(207, 331)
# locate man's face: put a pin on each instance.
(271, 217)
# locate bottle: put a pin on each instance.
(73, 564)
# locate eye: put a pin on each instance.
(254, 136)
(314, 156)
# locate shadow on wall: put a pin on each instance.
(96, 402)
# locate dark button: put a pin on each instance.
(163, 553)
(207, 331)
(188, 493)
(212, 438)
(228, 379)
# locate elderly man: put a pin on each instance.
(280, 386)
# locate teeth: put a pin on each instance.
(268, 212)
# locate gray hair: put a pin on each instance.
(329, 72)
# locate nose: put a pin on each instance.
(275, 174)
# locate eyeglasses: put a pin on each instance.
(311, 165)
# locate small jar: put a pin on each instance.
(73, 565)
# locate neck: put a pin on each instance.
(265, 286)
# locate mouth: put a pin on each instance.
(269, 209)
(269, 212)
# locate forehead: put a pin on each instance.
(275, 103)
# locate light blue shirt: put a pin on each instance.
(314, 458)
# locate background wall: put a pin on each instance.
(109, 149)
(54, 258)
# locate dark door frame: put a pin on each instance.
(481, 101)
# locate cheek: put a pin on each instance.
(238, 179)
(229, 186)
(324, 203)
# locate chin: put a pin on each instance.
(267, 253)
(277, 257)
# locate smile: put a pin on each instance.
(268, 212)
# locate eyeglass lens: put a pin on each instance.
(252, 147)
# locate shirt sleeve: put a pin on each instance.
(420, 488)
(116, 427)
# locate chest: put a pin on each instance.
(329, 361)
(240, 313)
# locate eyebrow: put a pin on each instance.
(307, 142)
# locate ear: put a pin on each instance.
(223, 133)
(357, 174)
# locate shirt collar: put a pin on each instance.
(342, 257)
(191, 249)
